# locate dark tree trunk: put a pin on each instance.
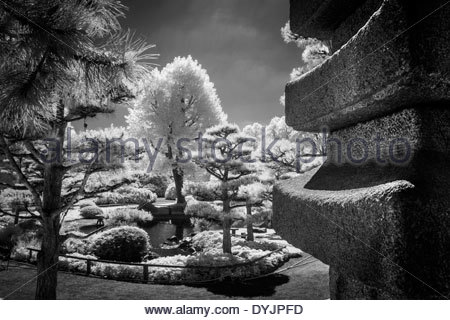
(177, 176)
(250, 236)
(226, 242)
(16, 210)
(178, 179)
(47, 266)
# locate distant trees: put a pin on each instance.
(254, 194)
(179, 102)
(314, 52)
(226, 156)
(61, 61)
(282, 149)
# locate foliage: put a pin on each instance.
(130, 217)
(262, 215)
(127, 195)
(86, 203)
(65, 61)
(129, 244)
(170, 193)
(204, 191)
(178, 102)
(204, 210)
(74, 245)
(157, 183)
(137, 195)
(91, 212)
(209, 255)
(5, 220)
(20, 251)
(10, 197)
(73, 264)
(34, 65)
(314, 51)
(256, 192)
(201, 224)
(290, 151)
(226, 158)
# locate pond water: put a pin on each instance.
(162, 231)
(158, 232)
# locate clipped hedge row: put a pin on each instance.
(268, 257)
(126, 195)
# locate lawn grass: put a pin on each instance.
(309, 281)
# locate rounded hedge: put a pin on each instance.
(86, 203)
(91, 212)
(127, 244)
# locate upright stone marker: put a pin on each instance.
(378, 210)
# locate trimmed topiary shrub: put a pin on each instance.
(130, 217)
(86, 203)
(128, 244)
(91, 212)
(109, 198)
(127, 195)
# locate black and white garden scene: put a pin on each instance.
(224, 149)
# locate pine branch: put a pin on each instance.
(13, 187)
(35, 154)
(22, 177)
(71, 199)
(6, 213)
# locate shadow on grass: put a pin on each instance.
(254, 288)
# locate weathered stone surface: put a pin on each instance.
(383, 68)
(319, 18)
(378, 210)
(371, 222)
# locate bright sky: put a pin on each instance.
(237, 41)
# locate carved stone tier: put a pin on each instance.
(378, 210)
(383, 68)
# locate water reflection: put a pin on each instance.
(162, 231)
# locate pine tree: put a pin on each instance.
(226, 155)
(61, 61)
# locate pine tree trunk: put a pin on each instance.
(226, 243)
(16, 214)
(177, 176)
(250, 236)
(47, 266)
(178, 179)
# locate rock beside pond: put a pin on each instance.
(173, 239)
